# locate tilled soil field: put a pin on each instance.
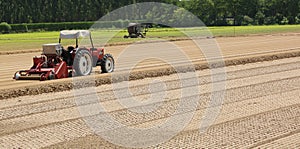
(163, 96)
(155, 55)
(261, 108)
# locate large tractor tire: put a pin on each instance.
(83, 63)
(107, 64)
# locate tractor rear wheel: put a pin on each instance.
(83, 63)
(107, 64)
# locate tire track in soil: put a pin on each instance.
(290, 140)
(60, 126)
(163, 114)
(235, 133)
(68, 101)
(232, 71)
(244, 132)
(66, 84)
(225, 44)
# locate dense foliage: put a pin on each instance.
(212, 12)
(25, 27)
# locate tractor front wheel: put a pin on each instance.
(108, 64)
(83, 63)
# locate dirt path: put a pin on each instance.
(261, 108)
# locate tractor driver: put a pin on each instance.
(67, 56)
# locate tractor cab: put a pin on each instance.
(68, 54)
(75, 34)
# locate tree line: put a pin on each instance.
(211, 12)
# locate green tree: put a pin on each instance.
(212, 12)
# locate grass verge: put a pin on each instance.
(30, 41)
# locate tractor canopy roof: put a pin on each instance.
(73, 34)
(133, 24)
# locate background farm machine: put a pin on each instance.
(136, 30)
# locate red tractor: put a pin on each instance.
(57, 62)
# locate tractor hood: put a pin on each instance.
(74, 34)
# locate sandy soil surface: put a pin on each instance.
(261, 108)
(152, 55)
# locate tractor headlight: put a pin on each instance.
(17, 76)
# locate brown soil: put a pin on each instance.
(261, 109)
